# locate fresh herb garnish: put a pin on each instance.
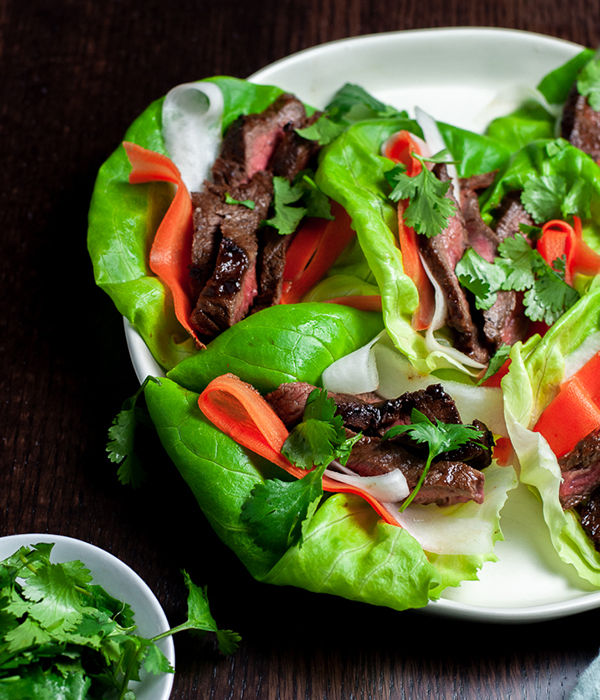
(245, 203)
(62, 636)
(548, 197)
(496, 362)
(588, 83)
(480, 277)
(429, 208)
(439, 437)
(349, 101)
(122, 437)
(520, 268)
(304, 194)
(278, 511)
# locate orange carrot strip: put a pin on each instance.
(303, 247)
(560, 238)
(400, 148)
(571, 416)
(170, 254)
(413, 267)
(237, 409)
(336, 236)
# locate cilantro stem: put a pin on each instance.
(414, 492)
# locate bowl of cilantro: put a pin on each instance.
(77, 622)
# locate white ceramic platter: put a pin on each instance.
(466, 77)
(121, 583)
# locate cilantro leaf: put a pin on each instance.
(320, 437)
(518, 261)
(439, 437)
(548, 197)
(279, 511)
(60, 636)
(245, 203)
(496, 362)
(548, 296)
(588, 83)
(324, 130)
(200, 619)
(121, 444)
(285, 194)
(429, 208)
(480, 277)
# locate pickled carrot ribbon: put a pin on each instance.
(238, 410)
(171, 251)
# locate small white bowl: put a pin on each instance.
(122, 583)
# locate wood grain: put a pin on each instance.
(75, 74)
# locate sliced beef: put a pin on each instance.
(294, 153)
(442, 253)
(446, 482)
(271, 264)
(211, 213)
(453, 477)
(580, 470)
(589, 512)
(252, 140)
(236, 265)
(511, 214)
(367, 416)
(581, 124)
(505, 321)
(479, 235)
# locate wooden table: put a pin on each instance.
(75, 74)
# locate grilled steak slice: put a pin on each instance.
(368, 416)
(449, 480)
(294, 153)
(505, 320)
(446, 482)
(251, 140)
(511, 214)
(211, 213)
(589, 513)
(480, 236)
(442, 253)
(580, 470)
(273, 249)
(581, 124)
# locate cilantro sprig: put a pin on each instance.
(278, 512)
(121, 446)
(429, 208)
(293, 201)
(63, 636)
(520, 268)
(439, 437)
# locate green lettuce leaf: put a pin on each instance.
(536, 371)
(347, 550)
(352, 172)
(556, 85)
(123, 219)
(283, 343)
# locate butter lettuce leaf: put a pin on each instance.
(536, 371)
(123, 219)
(283, 343)
(346, 550)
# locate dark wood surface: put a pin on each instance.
(75, 73)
